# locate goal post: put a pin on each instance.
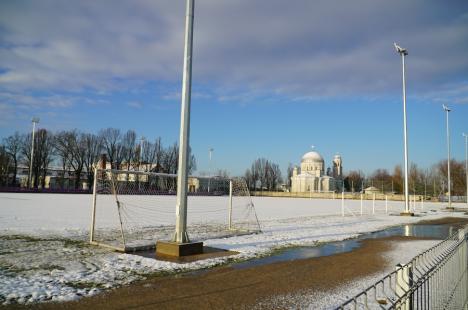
(131, 210)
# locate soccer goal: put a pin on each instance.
(132, 210)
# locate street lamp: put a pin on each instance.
(34, 120)
(466, 164)
(403, 52)
(210, 153)
(447, 110)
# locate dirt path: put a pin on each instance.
(229, 288)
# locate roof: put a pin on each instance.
(312, 156)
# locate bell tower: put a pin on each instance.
(337, 167)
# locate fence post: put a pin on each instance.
(404, 281)
(361, 204)
(386, 204)
(342, 203)
(230, 206)
(373, 203)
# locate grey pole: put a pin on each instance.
(181, 235)
(210, 152)
(142, 140)
(403, 52)
(466, 164)
(447, 110)
(34, 120)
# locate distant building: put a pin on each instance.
(372, 190)
(55, 178)
(312, 178)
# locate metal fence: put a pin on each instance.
(435, 279)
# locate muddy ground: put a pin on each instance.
(229, 288)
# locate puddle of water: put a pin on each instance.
(423, 231)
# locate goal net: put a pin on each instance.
(131, 210)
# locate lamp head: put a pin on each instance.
(35, 120)
(400, 50)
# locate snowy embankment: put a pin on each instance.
(43, 256)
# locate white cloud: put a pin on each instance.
(301, 48)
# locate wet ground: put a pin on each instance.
(244, 286)
(429, 231)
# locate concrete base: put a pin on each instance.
(169, 248)
(407, 214)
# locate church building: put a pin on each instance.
(312, 178)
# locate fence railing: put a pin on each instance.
(434, 279)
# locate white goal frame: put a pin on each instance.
(110, 174)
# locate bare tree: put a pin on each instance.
(457, 172)
(354, 180)
(264, 172)
(45, 152)
(93, 150)
(381, 179)
(397, 179)
(79, 151)
(43, 155)
(289, 173)
(63, 148)
(12, 145)
(170, 160)
(5, 163)
(249, 179)
(112, 141)
(129, 149)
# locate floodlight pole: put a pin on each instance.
(210, 153)
(34, 120)
(447, 110)
(466, 165)
(181, 235)
(403, 53)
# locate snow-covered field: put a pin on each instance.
(43, 256)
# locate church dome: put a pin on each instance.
(312, 157)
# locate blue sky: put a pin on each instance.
(270, 78)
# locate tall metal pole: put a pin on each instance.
(34, 120)
(447, 110)
(405, 137)
(403, 53)
(181, 235)
(142, 139)
(466, 165)
(210, 152)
